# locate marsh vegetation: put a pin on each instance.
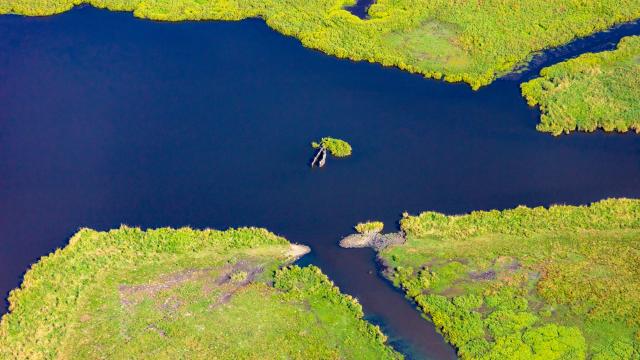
(527, 283)
(536, 282)
(183, 293)
(455, 40)
(593, 91)
(369, 227)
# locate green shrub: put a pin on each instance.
(337, 147)
(527, 283)
(590, 92)
(369, 227)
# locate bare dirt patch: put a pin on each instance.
(373, 239)
(131, 295)
(296, 251)
(485, 275)
(231, 279)
(235, 278)
(453, 291)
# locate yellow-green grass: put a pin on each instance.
(470, 41)
(593, 91)
(182, 294)
(527, 283)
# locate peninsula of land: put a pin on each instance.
(593, 91)
(167, 294)
(528, 283)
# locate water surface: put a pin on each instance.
(108, 120)
(361, 8)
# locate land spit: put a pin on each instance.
(372, 239)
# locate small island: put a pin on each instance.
(183, 293)
(336, 147)
(529, 283)
(369, 234)
(590, 92)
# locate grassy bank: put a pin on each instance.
(557, 283)
(593, 91)
(170, 294)
(470, 41)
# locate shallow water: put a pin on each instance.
(108, 120)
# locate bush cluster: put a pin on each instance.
(527, 283)
(369, 227)
(337, 147)
(593, 91)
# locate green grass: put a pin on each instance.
(171, 294)
(337, 147)
(369, 226)
(470, 41)
(556, 283)
(593, 91)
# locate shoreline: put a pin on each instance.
(301, 237)
(473, 81)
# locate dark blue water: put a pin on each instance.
(109, 120)
(361, 8)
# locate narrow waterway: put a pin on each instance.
(108, 120)
(602, 41)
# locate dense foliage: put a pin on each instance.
(369, 226)
(556, 283)
(470, 41)
(590, 92)
(182, 293)
(337, 147)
